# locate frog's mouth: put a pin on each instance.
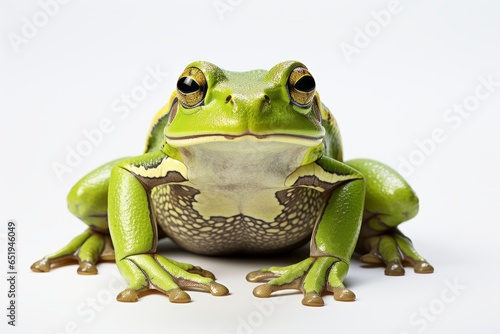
(185, 141)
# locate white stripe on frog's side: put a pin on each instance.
(316, 170)
(240, 177)
(166, 165)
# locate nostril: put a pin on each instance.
(228, 98)
(267, 99)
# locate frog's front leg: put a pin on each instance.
(333, 238)
(389, 202)
(134, 233)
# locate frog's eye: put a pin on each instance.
(191, 87)
(301, 87)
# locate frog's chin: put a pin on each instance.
(242, 166)
(299, 140)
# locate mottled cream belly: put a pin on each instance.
(235, 199)
(175, 213)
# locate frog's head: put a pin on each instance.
(214, 105)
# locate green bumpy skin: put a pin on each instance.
(235, 163)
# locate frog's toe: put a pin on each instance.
(265, 274)
(394, 268)
(217, 289)
(202, 272)
(128, 296)
(41, 266)
(87, 268)
(191, 269)
(373, 257)
(312, 299)
(202, 283)
(261, 275)
(394, 250)
(178, 296)
(265, 290)
(423, 267)
(343, 294)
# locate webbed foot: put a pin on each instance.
(147, 272)
(312, 277)
(87, 249)
(393, 251)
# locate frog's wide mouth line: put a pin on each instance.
(251, 137)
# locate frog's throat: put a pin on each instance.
(184, 141)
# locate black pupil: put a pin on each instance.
(187, 85)
(305, 84)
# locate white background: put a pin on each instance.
(73, 71)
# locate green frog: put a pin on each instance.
(241, 163)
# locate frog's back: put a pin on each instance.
(155, 139)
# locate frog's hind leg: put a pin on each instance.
(88, 200)
(389, 202)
